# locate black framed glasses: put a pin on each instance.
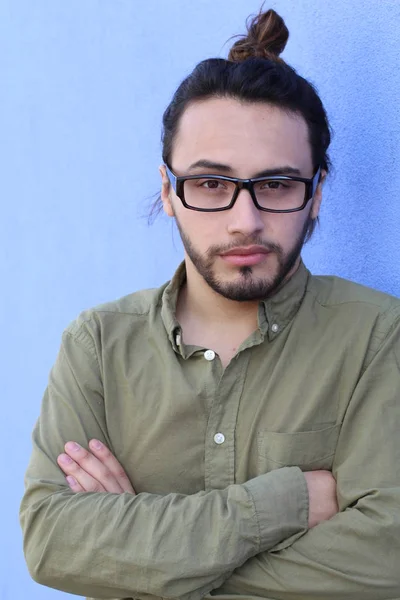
(214, 193)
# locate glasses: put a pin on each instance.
(213, 193)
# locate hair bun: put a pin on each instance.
(266, 37)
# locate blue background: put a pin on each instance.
(83, 84)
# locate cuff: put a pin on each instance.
(281, 504)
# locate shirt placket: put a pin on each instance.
(220, 446)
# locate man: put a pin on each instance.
(199, 425)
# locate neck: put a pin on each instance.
(212, 321)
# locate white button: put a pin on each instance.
(275, 327)
(219, 438)
(209, 355)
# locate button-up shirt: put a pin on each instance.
(216, 455)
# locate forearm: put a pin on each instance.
(108, 545)
(354, 555)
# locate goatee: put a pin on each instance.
(248, 287)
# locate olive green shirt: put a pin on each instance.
(216, 455)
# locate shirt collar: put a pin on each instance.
(274, 313)
(169, 302)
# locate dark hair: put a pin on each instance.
(252, 73)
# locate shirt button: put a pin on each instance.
(209, 354)
(219, 438)
(275, 327)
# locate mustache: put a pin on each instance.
(250, 241)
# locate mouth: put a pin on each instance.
(245, 256)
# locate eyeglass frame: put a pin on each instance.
(177, 182)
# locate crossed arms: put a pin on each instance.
(120, 544)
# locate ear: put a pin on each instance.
(316, 203)
(166, 190)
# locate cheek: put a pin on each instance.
(203, 229)
(287, 228)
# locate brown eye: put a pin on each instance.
(272, 185)
(211, 184)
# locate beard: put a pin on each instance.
(248, 287)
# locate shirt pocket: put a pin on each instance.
(309, 450)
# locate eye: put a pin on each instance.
(211, 184)
(273, 185)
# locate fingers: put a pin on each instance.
(81, 477)
(87, 470)
(73, 484)
(94, 471)
(103, 454)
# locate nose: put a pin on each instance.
(244, 216)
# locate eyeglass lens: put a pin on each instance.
(270, 193)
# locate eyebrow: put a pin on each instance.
(208, 164)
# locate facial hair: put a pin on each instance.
(248, 287)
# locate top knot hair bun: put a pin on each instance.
(266, 37)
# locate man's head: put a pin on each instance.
(248, 115)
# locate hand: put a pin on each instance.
(322, 496)
(94, 471)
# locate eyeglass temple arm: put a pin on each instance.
(171, 177)
(315, 181)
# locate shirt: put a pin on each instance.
(216, 455)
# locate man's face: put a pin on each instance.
(247, 139)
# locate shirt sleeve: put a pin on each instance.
(356, 554)
(107, 545)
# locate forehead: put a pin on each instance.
(249, 137)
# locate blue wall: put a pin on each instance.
(83, 84)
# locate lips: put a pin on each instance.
(242, 251)
(245, 257)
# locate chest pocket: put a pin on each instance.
(309, 450)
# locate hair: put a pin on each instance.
(253, 72)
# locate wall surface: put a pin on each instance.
(83, 86)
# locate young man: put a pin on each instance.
(229, 396)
